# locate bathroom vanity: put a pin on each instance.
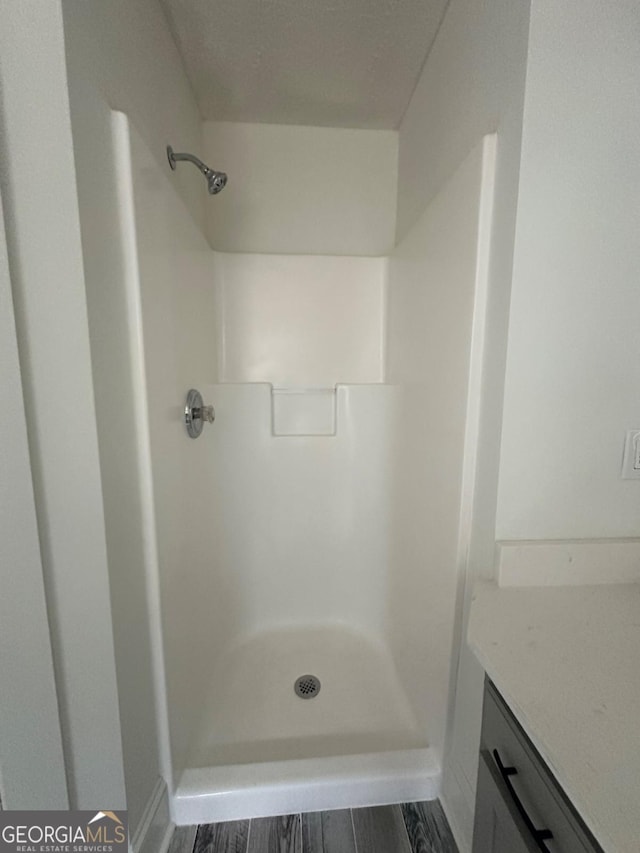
(560, 745)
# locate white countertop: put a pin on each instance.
(567, 662)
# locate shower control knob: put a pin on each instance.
(196, 413)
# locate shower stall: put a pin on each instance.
(305, 554)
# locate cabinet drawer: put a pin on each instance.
(499, 827)
(512, 767)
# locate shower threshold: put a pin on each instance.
(236, 792)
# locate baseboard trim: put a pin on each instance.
(457, 800)
(567, 562)
(456, 830)
(153, 833)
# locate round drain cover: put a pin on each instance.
(307, 686)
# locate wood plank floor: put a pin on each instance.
(231, 837)
(323, 831)
(275, 835)
(380, 830)
(410, 828)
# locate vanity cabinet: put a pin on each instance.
(520, 808)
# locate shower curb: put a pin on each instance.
(215, 794)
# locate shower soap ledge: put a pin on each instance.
(303, 411)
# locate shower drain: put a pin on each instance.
(307, 686)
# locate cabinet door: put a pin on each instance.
(499, 828)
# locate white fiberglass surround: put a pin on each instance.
(314, 528)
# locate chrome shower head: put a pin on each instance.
(216, 181)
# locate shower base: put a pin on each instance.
(260, 749)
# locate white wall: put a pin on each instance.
(574, 350)
(32, 771)
(301, 321)
(45, 256)
(432, 294)
(121, 55)
(472, 84)
(130, 61)
(302, 190)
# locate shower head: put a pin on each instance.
(216, 181)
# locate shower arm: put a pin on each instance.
(216, 181)
(191, 158)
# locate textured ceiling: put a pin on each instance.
(337, 63)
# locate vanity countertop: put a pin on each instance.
(567, 662)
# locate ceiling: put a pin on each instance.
(334, 63)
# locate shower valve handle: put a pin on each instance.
(207, 414)
(196, 413)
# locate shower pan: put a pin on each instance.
(305, 553)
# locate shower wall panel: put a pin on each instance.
(300, 320)
(177, 332)
(300, 520)
(432, 289)
(468, 88)
(301, 523)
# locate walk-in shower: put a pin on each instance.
(308, 546)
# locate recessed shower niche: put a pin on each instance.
(315, 527)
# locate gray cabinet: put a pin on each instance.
(520, 808)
